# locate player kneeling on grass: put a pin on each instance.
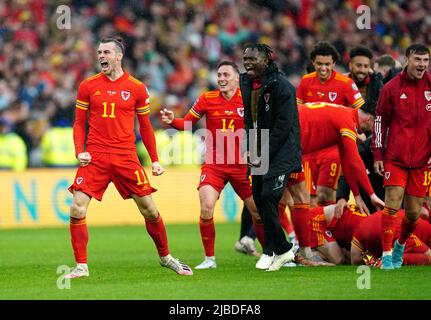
(111, 99)
(332, 231)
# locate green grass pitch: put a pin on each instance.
(124, 265)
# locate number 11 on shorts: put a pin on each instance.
(138, 177)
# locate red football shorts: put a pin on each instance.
(311, 187)
(124, 170)
(217, 176)
(414, 181)
(295, 178)
(319, 232)
(325, 168)
(415, 245)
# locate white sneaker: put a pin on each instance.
(264, 262)
(175, 265)
(208, 263)
(280, 260)
(246, 245)
(81, 270)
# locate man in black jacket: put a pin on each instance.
(270, 109)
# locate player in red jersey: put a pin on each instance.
(402, 148)
(224, 113)
(331, 235)
(323, 169)
(367, 245)
(110, 99)
(325, 125)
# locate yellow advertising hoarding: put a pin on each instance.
(39, 198)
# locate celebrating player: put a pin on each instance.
(402, 148)
(110, 99)
(224, 113)
(324, 125)
(326, 85)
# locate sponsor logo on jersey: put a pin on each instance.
(428, 107)
(111, 93)
(403, 96)
(240, 112)
(228, 112)
(427, 95)
(320, 94)
(97, 93)
(125, 95)
(332, 96)
(79, 180)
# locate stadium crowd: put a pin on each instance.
(173, 47)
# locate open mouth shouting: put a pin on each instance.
(104, 65)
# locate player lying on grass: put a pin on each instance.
(366, 242)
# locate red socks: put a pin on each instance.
(301, 221)
(157, 231)
(79, 238)
(207, 229)
(284, 219)
(407, 227)
(259, 230)
(388, 228)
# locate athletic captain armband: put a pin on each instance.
(82, 104)
(194, 113)
(349, 133)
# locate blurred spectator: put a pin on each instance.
(13, 153)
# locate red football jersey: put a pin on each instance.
(325, 125)
(337, 89)
(112, 106)
(368, 234)
(224, 119)
(344, 227)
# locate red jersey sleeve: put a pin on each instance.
(79, 125)
(301, 92)
(383, 117)
(353, 167)
(145, 128)
(353, 96)
(196, 112)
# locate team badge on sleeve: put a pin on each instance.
(332, 96)
(355, 87)
(125, 95)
